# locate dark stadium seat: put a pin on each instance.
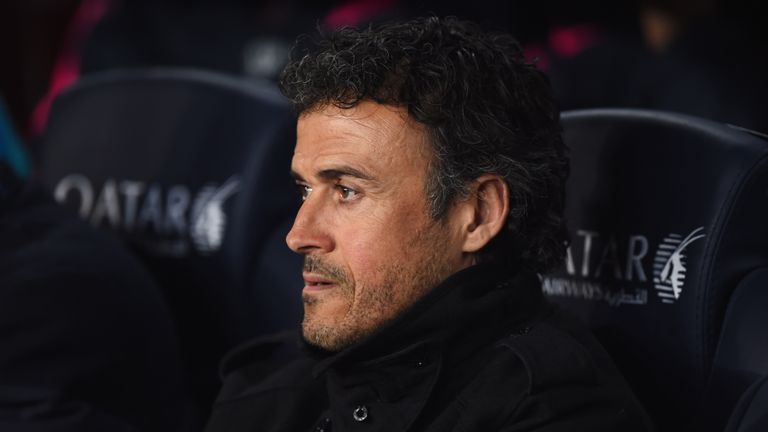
(751, 414)
(192, 170)
(741, 360)
(667, 215)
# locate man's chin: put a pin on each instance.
(320, 328)
(322, 336)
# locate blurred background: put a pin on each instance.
(701, 57)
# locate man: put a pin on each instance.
(431, 169)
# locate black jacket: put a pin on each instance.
(86, 343)
(482, 352)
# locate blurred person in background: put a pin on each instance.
(86, 342)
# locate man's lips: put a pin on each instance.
(317, 283)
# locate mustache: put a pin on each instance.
(316, 265)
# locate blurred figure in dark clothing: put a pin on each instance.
(86, 343)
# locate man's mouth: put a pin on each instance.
(317, 283)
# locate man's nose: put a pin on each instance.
(309, 233)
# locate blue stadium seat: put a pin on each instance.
(740, 366)
(667, 215)
(192, 170)
(751, 414)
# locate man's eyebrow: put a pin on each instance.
(344, 171)
(336, 172)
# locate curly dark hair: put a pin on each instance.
(485, 108)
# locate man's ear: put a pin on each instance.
(486, 211)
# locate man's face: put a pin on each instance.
(371, 249)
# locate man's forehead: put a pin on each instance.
(369, 134)
(367, 121)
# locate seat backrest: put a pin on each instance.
(191, 169)
(741, 359)
(751, 413)
(666, 214)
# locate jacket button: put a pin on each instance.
(360, 413)
(420, 363)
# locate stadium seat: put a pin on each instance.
(751, 414)
(667, 216)
(192, 170)
(741, 360)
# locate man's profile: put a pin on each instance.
(431, 168)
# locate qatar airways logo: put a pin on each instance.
(177, 219)
(669, 267)
(623, 270)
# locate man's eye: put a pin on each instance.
(304, 191)
(347, 194)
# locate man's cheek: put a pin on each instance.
(371, 254)
(330, 307)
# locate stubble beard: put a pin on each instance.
(398, 286)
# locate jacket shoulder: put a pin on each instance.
(557, 351)
(568, 370)
(266, 351)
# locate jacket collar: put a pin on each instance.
(393, 372)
